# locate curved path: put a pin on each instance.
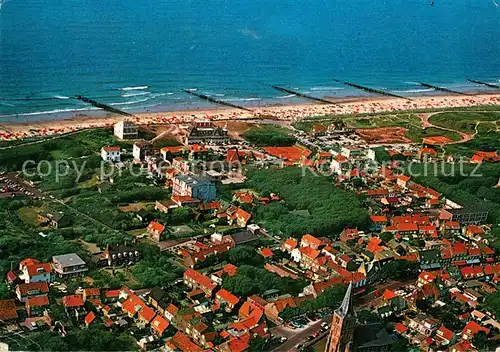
(465, 137)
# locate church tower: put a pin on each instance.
(343, 324)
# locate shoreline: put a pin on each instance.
(290, 112)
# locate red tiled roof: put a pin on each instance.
(374, 245)
(156, 226)
(160, 324)
(72, 301)
(445, 333)
(42, 287)
(184, 343)
(400, 328)
(290, 243)
(39, 301)
(37, 269)
(111, 293)
(309, 252)
(472, 328)
(28, 261)
(227, 297)
(147, 314)
(378, 218)
(200, 279)
(266, 252)
(133, 304)
(172, 309)
(388, 295)
(89, 318)
(94, 291)
(230, 269)
(111, 149)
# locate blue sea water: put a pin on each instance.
(231, 49)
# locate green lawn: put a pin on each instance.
(463, 121)
(28, 215)
(417, 134)
(267, 135)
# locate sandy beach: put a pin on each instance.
(13, 131)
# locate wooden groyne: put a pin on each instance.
(305, 96)
(215, 101)
(446, 90)
(102, 106)
(372, 90)
(485, 84)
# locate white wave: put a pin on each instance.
(50, 112)
(130, 102)
(61, 97)
(415, 90)
(241, 99)
(6, 104)
(320, 89)
(134, 94)
(192, 89)
(134, 88)
(170, 93)
(287, 96)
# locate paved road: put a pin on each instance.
(296, 336)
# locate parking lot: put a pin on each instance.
(11, 185)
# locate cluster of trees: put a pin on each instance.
(399, 269)
(155, 269)
(96, 338)
(331, 297)
(468, 189)
(252, 280)
(331, 209)
(269, 136)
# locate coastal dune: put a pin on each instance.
(21, 130)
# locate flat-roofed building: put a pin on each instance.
(69, 265)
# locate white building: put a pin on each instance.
(126, 130)
(111, 154)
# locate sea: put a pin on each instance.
(139, 55)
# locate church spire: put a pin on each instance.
(346, 306)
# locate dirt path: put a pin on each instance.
(424, 117)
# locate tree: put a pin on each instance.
(492, 303)
(386, 236)
(480, 341)
(244, 255)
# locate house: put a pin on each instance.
(194, 280)
(170, 152)
(121, 255)
(471, 329)
(159, 325)
(310, 241)
(91, 294)
(73, 305)
(289, 245)
(33, 289)
(36, 305)
(156, 298)
(56, 220)
(206, 132)
(171, 312)
(194, 187)
(181, 342)
(142, 150)
(111, 296)
(444, 336)
(146, 314)
(465, 215)
(132, 304)
(89, 318)
(111, 154)
(236, 215)
(156, 231)
(69, 265)
(226, 300)
(36, 272)
(180, 165)
(125, 130)
(378, 222)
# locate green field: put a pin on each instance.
(466, 121)
(268, 135)
(417, 134)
